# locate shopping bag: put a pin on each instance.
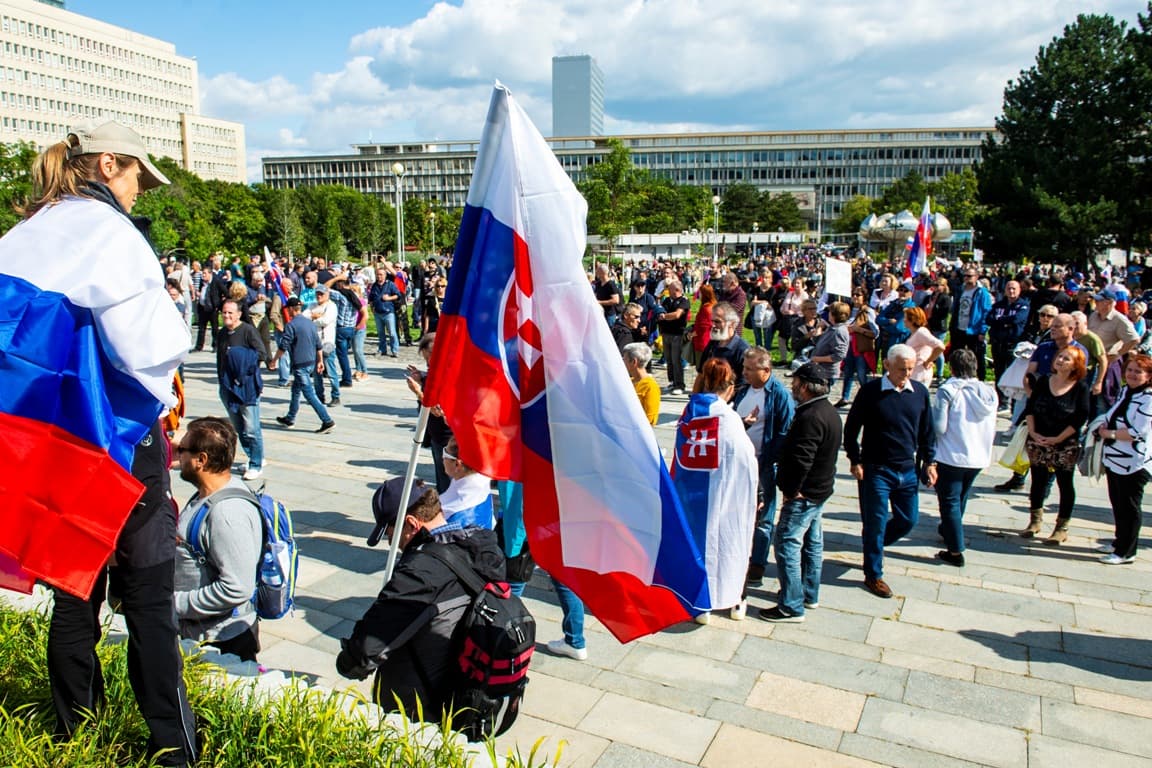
(1015, 457)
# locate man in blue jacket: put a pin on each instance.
(1006, 322)
(766, 407)
(973, 303)
(239, 353)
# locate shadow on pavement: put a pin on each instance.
(1123, 658)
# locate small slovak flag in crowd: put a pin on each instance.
(921, 245)
(532, 385)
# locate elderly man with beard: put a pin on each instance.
(726, 343)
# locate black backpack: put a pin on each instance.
(494, 642)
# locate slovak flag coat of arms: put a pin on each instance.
(715, 474)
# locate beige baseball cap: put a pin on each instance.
(95, 137)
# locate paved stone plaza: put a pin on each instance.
(1028, 656)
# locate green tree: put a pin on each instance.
(612, 193)
(907, 193)
(780, 211)
(1061, 177)
(956, 195)
(852, 213)
(743, 204)
(283, 232)
(15, 181)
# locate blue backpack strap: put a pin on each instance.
(193, 541)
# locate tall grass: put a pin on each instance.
(297, 726)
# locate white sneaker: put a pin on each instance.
(1106, 549)
(704, 618)
(738, 611)
(561, 648)
(1115, 559)
(253, 473)
(810, 606)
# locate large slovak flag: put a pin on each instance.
(532, 385)
(921, 245)
(89, 341)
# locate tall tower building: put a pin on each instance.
(577, 96)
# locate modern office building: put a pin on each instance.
(577, 96)
(58, 67)
(822, 169)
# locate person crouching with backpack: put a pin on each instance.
(406, 636)
(220, 539)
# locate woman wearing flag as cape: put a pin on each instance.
(90, 340)
(715, 473)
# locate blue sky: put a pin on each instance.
(314, 77)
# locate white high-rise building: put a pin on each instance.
(57, 67)
(577, 97)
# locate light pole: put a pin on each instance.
(755, 229)
(432, 216)
(398, 169)
(715, 224)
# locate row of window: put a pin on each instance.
(74, 42)
(838, 137)
(85, 90)
(138, 81)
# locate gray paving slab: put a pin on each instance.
(622, 756)
(824, 667)
(775, 724)
(887, 752)
(944, 734)
(715, 678)
(1049, 752)
(1099, 727)
(1100, 674)
(973, 701)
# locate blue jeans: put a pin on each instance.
(882, 487)
(358, 350)
(940, 359)
(246, 420)
(387, 338)
(302, 385)
(799, 554)
(573, 608)
(330, 372)
(855, 371)
(345, 335)
(283, 370)
(766, 523)
(953, 485)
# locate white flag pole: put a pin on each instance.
(406, 493)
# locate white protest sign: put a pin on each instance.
(837, 276)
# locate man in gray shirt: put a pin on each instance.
(220, 537)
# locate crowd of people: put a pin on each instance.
(1083, 348)
(1070, 360)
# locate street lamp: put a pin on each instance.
(755, 229)
(715, 223)
(398, 169)
(433, 217)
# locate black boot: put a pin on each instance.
(1014, 483)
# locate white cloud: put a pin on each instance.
(669, 65)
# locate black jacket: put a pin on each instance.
(406, 635)
(808, 456)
